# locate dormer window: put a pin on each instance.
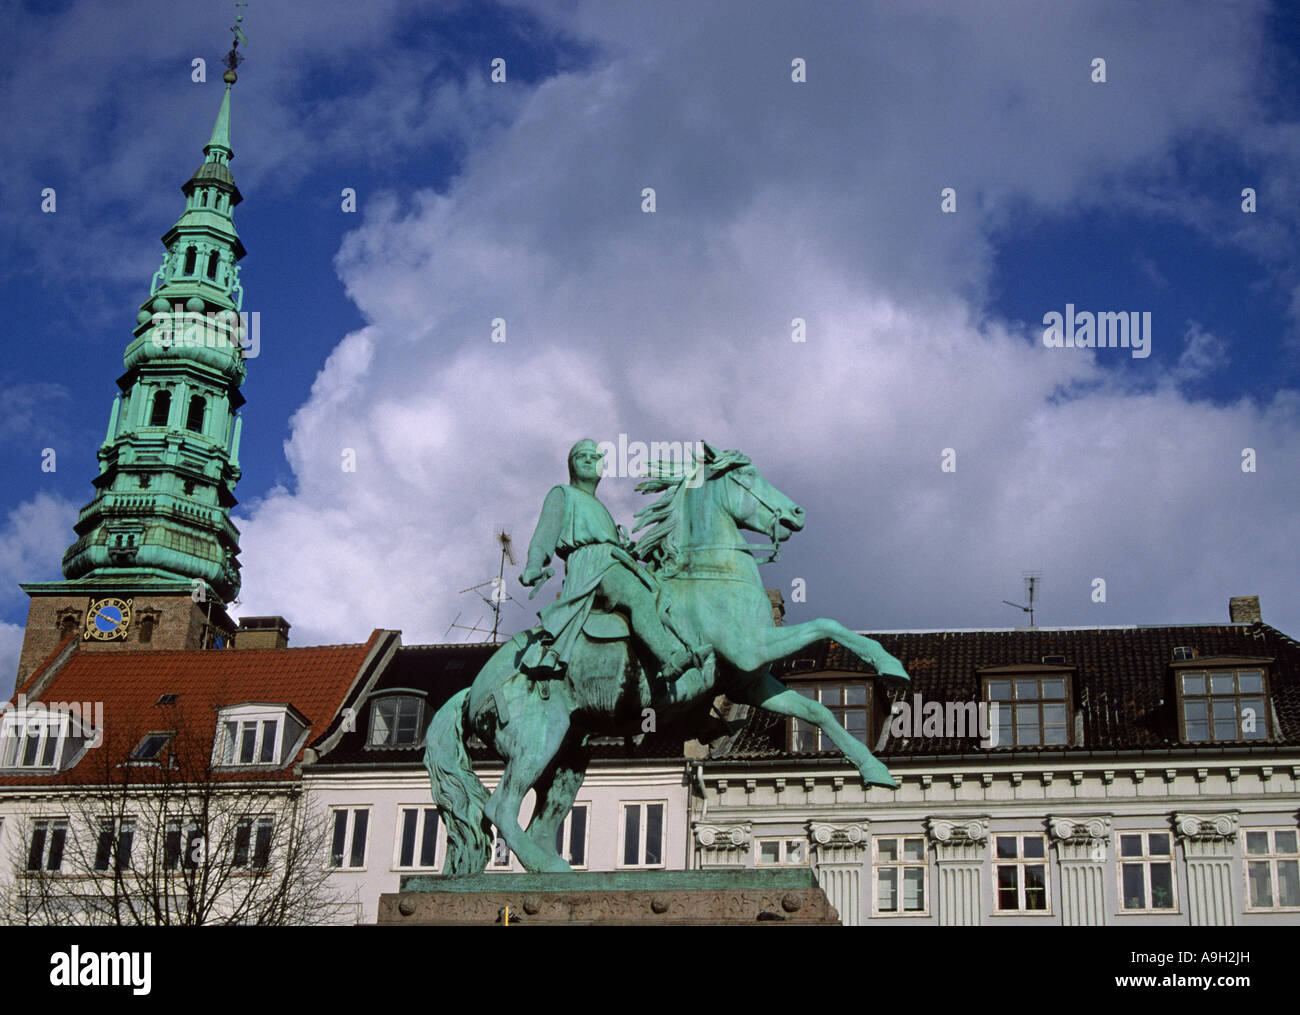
(395, 721)
(257, 735)
(41, 739)
(847, 699)
(1222, 703)
(1027, 707)
(150, 747)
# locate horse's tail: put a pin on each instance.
(456, 789)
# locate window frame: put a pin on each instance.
(116, 827)
(349, 839)
(15, 729)
(783, 842)
(643, 834)
(1020, 862)
(1220, 666)
(565, 836)
(840, 709)
(187, 831)
(422, 812)
(259, 714)
(900, 865)
(254, 824)
(1012, 674)
(1145, 860)
(45, 825)
(399, 695)
(1271, 857)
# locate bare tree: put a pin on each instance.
(162, 834)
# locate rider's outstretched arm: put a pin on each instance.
(546, 535)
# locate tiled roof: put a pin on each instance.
(440, 671)
(1122, 682)
(315, 681)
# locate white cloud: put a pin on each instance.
(776, 201)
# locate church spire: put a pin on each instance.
(156, 558)
(169, 461)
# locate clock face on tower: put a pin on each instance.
(107, 619)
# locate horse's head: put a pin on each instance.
(752, 502)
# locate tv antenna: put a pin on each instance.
(1032, 578)
(496, 595)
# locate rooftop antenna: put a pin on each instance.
(497, 596)
(1032, 578)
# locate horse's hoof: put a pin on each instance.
(875, 773)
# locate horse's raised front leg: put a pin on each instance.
(749, 650)
(529, 743)
(769, 693)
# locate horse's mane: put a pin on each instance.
(660, 547)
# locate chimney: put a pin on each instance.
(262, 632)
(1244, 610)
(778, 605)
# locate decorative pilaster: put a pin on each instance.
(1081, 849)
(841, 852)
(959, 845)
(723, 845)
(1208, 844)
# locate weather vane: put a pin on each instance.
(234, 58)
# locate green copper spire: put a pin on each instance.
(169, 462)
(218, 147)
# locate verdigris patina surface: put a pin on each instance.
(665, 623)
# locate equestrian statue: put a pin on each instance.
(665, 623)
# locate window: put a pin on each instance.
(643, 835)
(213, 260)
(252, 846)
(48, 838)
(150, 747)
(182, 845)
(1273, 869)
(162, 408)
(395, 721)
(348, 845)
(900, 869)
(1020, 873)
(250, 742)
(1223, 705)
(789, 852)
(113, 848)
(191, 256)
(1028, 711)
(571, 837)
(31, 741)
(1146, 872)
(847, 701)
(194, 418)
(418, 845)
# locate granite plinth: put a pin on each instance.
(626, 898)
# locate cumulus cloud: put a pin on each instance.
(778, 201)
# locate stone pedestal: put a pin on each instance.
(779, 898)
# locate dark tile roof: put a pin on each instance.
(1122, 682)
(439, 671)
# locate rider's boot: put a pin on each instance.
(685, 660)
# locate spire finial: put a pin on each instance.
(234, 58)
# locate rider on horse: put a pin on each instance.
(577, 528)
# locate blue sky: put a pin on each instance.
(775, 200)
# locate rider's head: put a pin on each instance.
(586, 455)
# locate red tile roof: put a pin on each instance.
(315, 681)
